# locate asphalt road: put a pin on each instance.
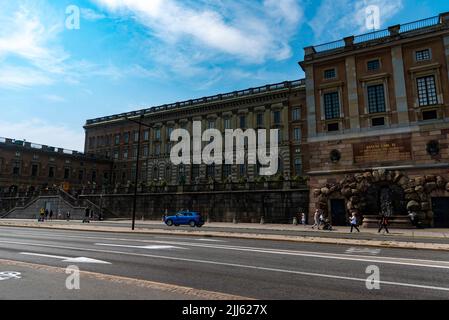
(174, 267)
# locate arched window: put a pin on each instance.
(155, 173)
(167, 173)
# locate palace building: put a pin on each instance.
(365, 132)
(378, 123)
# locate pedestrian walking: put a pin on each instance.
(42, 215)
(86, 216)
(384, 224)
(46, 214)
(316, 219)
(354, 222)
(303, 219)
(51, 215)
(68, 215)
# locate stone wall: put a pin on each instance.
(273, 206)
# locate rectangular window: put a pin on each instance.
(136, 136)
(146, 150)
(427, 92)
(330, 74)
(16, 169)
(296, 114)
(298, 167)
(51, 172)
(210, 171)
(66, 173)
(81, 175)
(376, 122)
(157, 149)
(117, 139)
(157, 134)
(373, 65)
(146, 135)
(34, 170)
(423, 55)
(376, 99)
(277, 117)
(429, 115)
(331, 105)
(211, 124)
(228, 123)
(125, 154)
(332, 127)
(126, 137)
(227, 171)
(259, 119)
(242, 122)
(169, 132)
(195, 171)
(135, 153)
(297, 134)
(116, 154)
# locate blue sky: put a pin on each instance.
(133, 54)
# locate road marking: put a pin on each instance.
(156, 247)
(67, 259)
(239, 266)
(10, 275)
(373, 252)
(370, 259)
(209, 240)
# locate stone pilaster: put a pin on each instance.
(353, 97)
(446, 52)
(399, 85)
(310, 98)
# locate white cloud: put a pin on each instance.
(53, 98)
(91, 15)
(248, 32)
(336, 19)
(28, 53)
(43, 132)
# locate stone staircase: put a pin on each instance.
(56, 203)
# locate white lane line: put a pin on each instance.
(156, 247)
(373, 252)
(66, 259)
(320, 275)
(386, 260)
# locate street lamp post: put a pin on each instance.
(136, 180)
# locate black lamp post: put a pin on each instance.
(136, 180)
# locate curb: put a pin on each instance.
(301, 239)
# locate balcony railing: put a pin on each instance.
(211, 99)
(380, 34)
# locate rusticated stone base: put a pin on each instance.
(398, 222)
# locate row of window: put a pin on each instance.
(427, 96)
(51, 172)
(211, 171)
(104, 141)
(374, 65)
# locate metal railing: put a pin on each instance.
(380, 34)
(210, 99)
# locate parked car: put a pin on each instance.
(190, 218)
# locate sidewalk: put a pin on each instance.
(430, 239)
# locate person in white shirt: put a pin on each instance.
(354, 222)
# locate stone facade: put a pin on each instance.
(381, 108)
(30, 166)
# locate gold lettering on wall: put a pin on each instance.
(384, 151)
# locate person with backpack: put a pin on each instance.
(353, 221)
